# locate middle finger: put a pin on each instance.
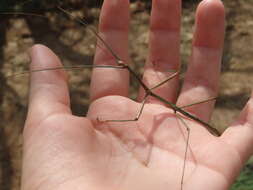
(164, 49)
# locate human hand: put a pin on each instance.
(62, 151)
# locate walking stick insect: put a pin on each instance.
(148, 91)
(122, 65)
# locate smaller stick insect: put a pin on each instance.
(148, 91)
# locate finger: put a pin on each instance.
(240, 134)
(201, 81)
(48, 93)
(164, 48)
(113, 27)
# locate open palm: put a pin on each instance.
(62, 151)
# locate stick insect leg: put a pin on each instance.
(166, 80)
(186, 149)
(65, 68)
(200, 102)
(127, 120)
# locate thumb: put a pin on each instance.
(240, 134)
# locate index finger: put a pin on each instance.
(113, 28)
(48, 93)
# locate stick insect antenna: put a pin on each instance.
(83, 22)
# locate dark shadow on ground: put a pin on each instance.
(229, 31)
(78, 106)
(235, 101)
(5, 156)
(245, 71)
(42, 32)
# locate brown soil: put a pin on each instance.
(75, 46)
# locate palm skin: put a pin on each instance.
(72, 153)
(62, 151)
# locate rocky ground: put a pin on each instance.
(75, 45)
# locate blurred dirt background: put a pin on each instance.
(75, 45)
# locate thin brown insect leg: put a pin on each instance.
(166, 80)
(200, 102)
(186, 149)
(127, 120)
(65, 68)
(23, 14)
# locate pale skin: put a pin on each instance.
(62, 151)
